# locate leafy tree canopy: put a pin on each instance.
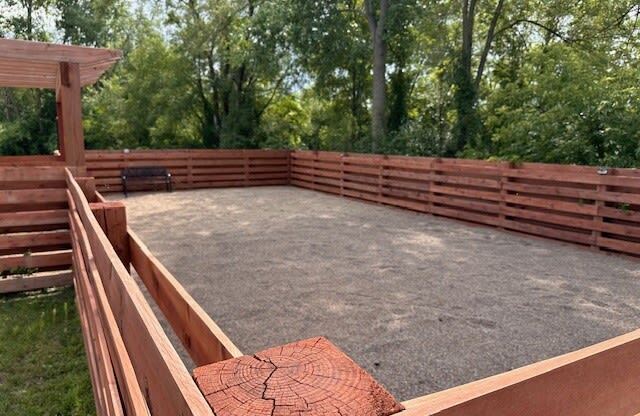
(551, 81)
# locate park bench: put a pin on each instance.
(148, 174)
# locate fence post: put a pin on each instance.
(289, 166)
(313, 170)
(504, 178)
(190, 171)
(380, 170)
(429, 192)
(246, 167)
(342, 174)
(88, 186)
(596, 233)
(112, 217)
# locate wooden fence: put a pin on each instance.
(192, 169)
(600, 380)
(583, 205)
(134, 368)
(35, 249)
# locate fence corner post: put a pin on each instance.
(88, 186)
(112, 217)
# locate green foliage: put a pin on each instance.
(43, 367)
(143, 104)
(559, 84)
(567, 106)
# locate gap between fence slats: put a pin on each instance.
(203, 339)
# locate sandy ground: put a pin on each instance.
(423, 303)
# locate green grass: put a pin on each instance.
(43, 368)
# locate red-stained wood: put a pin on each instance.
(601, 380)
(100, 360)
(569, 203)
(311, 378)
(36, 282)
(112, 217)
(192, 169)
(29, 241)
(31, 196)
(53, 259)
(166, 383)
(87, 278)
(202, 338)
(69, 107)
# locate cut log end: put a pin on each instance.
(310, 378)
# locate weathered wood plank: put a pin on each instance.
(601, 380)
(36, 282)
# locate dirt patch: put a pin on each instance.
(423, 303)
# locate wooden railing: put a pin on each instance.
(601, 380)
(135, 370)
(193, 169)
(200, 335)
(35, 249)
(583, 205)
(578, 204)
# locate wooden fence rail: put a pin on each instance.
(193, 169)
(583, 205)
(150, 376)
(577, 204)
(601, 380)
(35, 250)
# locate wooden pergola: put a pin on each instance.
(65, 68)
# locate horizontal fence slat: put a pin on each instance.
(568, 203)
(192, 169)
(36, 282)
(28, 241)
(58, 259)
(166, 381)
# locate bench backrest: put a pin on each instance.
(145, 172)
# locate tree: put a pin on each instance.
(237, 62)
(331, 42)
(467, 85)
(376, 12)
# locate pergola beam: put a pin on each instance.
(25, 64)
(65, 68)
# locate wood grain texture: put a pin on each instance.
(88, 279)
(36, 282)
(27, 64)
(310, 378)
(193, 169)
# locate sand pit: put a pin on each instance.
(421, 302)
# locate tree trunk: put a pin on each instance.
(468, 124)
(465, 98)
(377, 23)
